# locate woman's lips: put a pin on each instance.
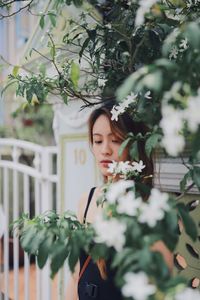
(105, 163)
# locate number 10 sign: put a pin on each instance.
(77, 169)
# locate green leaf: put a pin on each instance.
(73, 258)
(171, 229)
(15, 70)
(134, 151)
(184, 181)
(196, 176)
(152, 142)
(123, 146)
(120, 257)
(99, 250)
(27, 237)
(43, 251)
(195, 143)
(75, 74)
(166, 63)
(159, 265)
(42, 21)
(53, 51)
(193, 34)
(78, 3)
(189, 224)
(52, 18)
(59, 255)
(145, 257)
(153, 81)
(29, 94)
(42, 69)
(64, 97)
(126, 87)
(85, 44)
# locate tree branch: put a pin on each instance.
(17, 11)
(185, 192)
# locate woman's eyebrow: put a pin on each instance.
(99, 134)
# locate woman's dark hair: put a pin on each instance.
(121, 128)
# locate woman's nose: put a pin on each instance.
(106, 149)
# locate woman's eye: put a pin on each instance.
(116, 141)
(97, 142)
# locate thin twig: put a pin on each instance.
(184, 163)
(185, 192)
(44, 56)
(11, 65)
(8, 3)
(53, 59)
(15, 12)
(137, 49)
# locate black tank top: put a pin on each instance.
(91, 285)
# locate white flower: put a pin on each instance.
(129, 99)
(183, 44)
(173, 144)
(120, 109)
(111, 232)
(148, 95)
(159, 200)
(138, 166)
(171, 124)
(109, 26)
(117, 189)
(173, 53)
(128, 204)
(191, 3)
(116, 111)
(142, 10)
(188, 294)
(71, 217)
(46, 219)
(154, 209)
(150, 215)
(123, 167)
(137, 286)
(191, 114)
(112, 167)
(172, 121)
(101, 82)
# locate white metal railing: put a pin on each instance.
(29, 188)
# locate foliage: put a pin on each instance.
(51, 236)
(31, 123)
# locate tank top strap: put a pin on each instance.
(88, 203)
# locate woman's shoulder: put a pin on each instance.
(81, 206)
(83, 202)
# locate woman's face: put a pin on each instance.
(106, 145)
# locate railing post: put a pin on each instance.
(46, 204)
(15, 157)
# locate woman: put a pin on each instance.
(106, 137)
